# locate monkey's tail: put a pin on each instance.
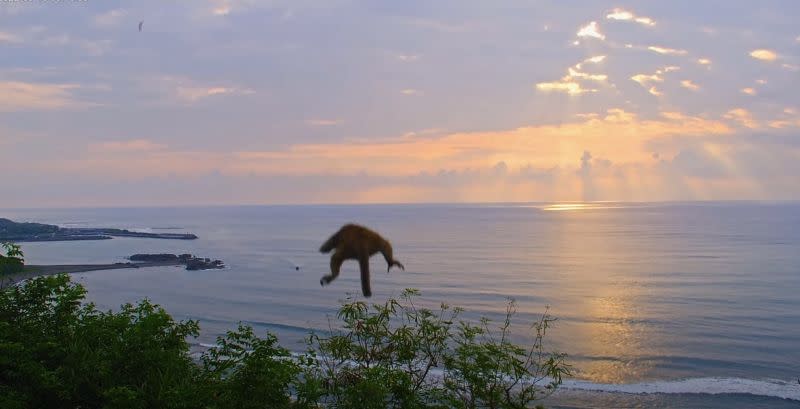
(330, 244)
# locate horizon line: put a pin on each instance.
(377, 204)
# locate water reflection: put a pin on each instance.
(579, 206)
(609, 330)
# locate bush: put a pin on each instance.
(56, 352)
(13, 262)
(398, 355)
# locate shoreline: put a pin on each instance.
(33, 271)
(36, 232)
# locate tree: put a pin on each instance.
(13, 261)
(57, 351)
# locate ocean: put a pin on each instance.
(658, 304)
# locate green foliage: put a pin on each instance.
(58, 352)
(245, 371)
(13, 261)
(385, 357)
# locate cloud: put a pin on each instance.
(407, 58)
(569, 83)
(324, 122)
(582, 75)
(644, 79)
(791, 67)
(593, 60)
(134, 145)
(196, 93)
(704, 61)
(764, 54)
(698, 163)
(688, 84)
(186, 90)
(109, 19)
(570, 87)
(590, 30)
(221, 8)
(667, 51)
(761, 81)
(748, 91)
(423, 132)
(618, 134)
(9, 38)
(27, 96)
(411, 91)
(91, 47)
(596, 59)
(781, 124)
(624, 15)
(742, 117)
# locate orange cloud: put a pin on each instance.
(27, 96)
(764, 55)
(742, 117)
(569, 83)
(643, 79)
(617, 134)
(9, 38)
(570, 87)
(688, 84)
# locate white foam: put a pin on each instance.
(774, 388)
(766, 387)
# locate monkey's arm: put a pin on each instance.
(390, 261)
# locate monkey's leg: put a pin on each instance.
(365, 287)
(336, 263)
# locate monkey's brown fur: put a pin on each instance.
(357, 243)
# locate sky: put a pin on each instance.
(335, 101)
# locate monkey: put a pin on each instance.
(357, 242)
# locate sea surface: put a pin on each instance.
(658, 304)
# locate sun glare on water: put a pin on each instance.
(578, 206)
(567, 206)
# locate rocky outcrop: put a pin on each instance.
(191, 262)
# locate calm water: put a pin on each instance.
(657, 298)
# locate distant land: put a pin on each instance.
(26, 232)
(190, 261)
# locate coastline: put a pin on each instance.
(33, 271)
